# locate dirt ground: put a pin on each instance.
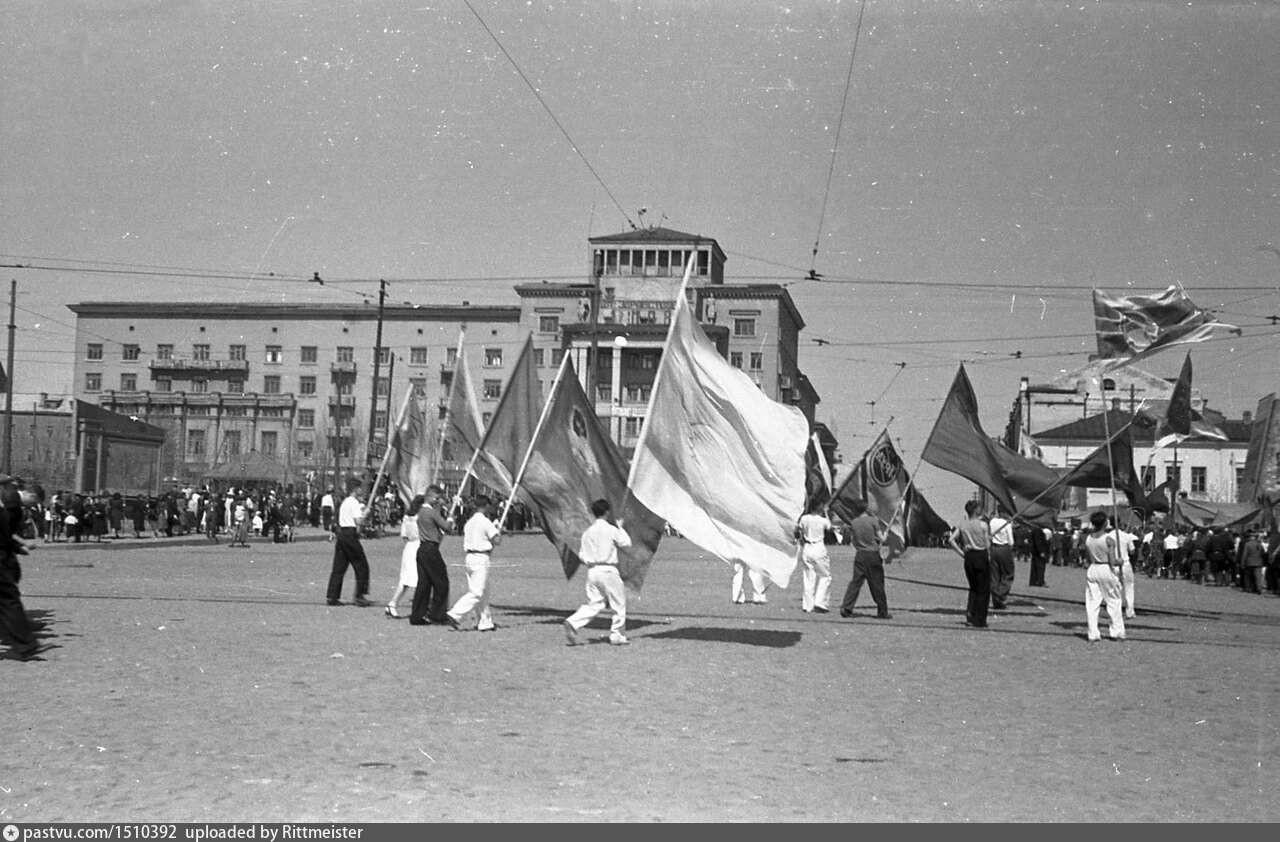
(210, 684)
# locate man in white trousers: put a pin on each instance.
(479, 536)
(742, 574)
(599, 553)
(812, 534)
(1128, 545)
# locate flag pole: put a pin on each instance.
(484, 439)
(533, 440)
(657, 377)
(458, 362)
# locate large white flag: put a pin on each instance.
(719, 460)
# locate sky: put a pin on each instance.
(966, 175)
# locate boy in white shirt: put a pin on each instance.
(479, 536)
(599, 553)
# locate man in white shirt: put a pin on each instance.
(812, 534)
(598, 551)
(479, 536)
(347, 550)
(1001, 555)
(326, 510)
(1128, 545)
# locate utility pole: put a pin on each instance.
(377, 370)
(8, 387)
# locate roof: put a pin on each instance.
(276, 311)
(1094, 429)
(654, 236)
(113, 425)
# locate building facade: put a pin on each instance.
(311, 385)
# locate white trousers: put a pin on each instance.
(477, 596)
(817, 577)
(1101, 585)
(757, 579)
(604, 587)
(1126, 585)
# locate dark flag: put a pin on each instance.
(959, 445)
(1109, 466)
(1176, 414)
(573, 462)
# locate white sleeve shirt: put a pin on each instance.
(600, 543)
(350, 513)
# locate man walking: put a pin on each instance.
(867, 565)
(812, 534)
(599, 552)
(972, 540)
(479, 536)
(432, 592)
(14, 625)
(347, 550)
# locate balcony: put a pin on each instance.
(348, 367)
(342, 400)
(190, 367)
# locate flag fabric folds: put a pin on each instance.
(1177, 415)
(461, 429)
(718, 459)
(817, 479)
(1110, 466)
(572, 463)
(511, 428)
(958, 444)
(1137, 326)
(881, 481)
(409, 451)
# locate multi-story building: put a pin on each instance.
(310, 384)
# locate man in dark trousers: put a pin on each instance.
(13, 616)
(1040, 549)
(868, 566)
(431, 597)
(347, 550)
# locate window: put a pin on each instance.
(198, 410)
(128, 382)
(492, 389)
(418, 355)
(644, 361)
(164, 352)
(1148, 478)
(200, 352)
(757, 360)
(94, 351)
(346, 388)
(235, 411)
(744, 327)
(735, 359)
(195, 443)
(492, 357)
(557, 354)
(309, 354)
(346, 354)
(131, 352)
(548, 324)
(380, 419)
(275, 354)
(382, 387)
(271, 412)
(638, 394)
(418, 384)
(1199, 480)
(446, 380)
(306, 418)
(604, 393)
(1173, 474)
(199, 384)
(451, 357)
(306, 385)
(270, 438)
(164, 384)
(271, 384)
(631, 427)
(236, 353)
(539, 357)
(384, 356)
(304, 450)
(232, 441)
(1239, 477)
(235, 387)
(93, 382)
